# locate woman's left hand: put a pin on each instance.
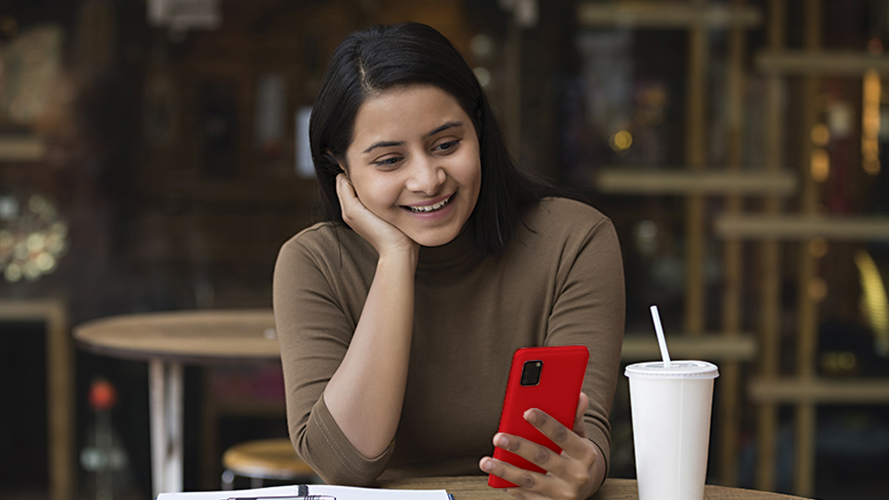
(576, 473)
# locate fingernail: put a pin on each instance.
(531, 416)
(487, 466)
(501, 441)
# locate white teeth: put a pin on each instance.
(431, 208)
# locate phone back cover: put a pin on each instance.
(556, 394)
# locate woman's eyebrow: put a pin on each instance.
(443, 128)
(382, 144)
(387, 144)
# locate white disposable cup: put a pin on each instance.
(671, 427)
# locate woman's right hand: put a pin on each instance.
(383, 236)
(365, 396)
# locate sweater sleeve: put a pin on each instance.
(589, 310)
(314, 328)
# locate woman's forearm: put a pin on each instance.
(366, 393)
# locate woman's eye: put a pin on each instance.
(446, 146)
(387, 162)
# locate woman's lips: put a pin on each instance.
(425, 209)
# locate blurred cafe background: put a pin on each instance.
(153, 157)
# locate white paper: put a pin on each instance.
(340, 492)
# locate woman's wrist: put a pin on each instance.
(406, 255)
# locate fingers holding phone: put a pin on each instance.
(541, 449)
(548, 379)
(574, 473)
(571, 443)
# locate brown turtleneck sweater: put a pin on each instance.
(560, 283)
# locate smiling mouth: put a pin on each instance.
(431, 208)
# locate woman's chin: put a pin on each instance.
(436, 239)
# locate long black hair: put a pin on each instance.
(371, 60)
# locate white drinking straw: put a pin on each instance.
(661, 341)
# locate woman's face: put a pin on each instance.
(414, 162)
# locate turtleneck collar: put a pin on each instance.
(459, 250)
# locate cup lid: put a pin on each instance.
(678, 369)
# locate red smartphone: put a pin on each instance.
(549, 379)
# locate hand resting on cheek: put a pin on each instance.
(382, 235)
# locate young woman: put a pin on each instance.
(398, 317)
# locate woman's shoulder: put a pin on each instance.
(559, 229)
(319, 234)
(322, 240)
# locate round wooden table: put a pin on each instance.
(476, 488)
(167, 341)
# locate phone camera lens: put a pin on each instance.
(531, 373)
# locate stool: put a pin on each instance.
(264, 459)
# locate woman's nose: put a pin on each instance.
(426, 176)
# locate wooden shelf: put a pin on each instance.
(216, 237)
(710, 346)
(799, 227)
(819, 390)
(21, 147)
(253, 190)
(657, 15)
(815, 63)
(650, 181)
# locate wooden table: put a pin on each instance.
(167, 341)
(476, 488)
